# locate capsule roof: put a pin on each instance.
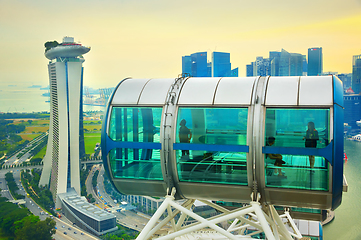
(280, 91)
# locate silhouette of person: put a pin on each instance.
(311, 140)
(185, 135)
(277, 157)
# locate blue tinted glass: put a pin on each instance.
(291, 127)
(223, 126)
(300, 128)
(209, 126)
(136, 163)
(135, 124)
(296, 172)
(212, 167)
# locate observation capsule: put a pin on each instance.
(224, 138)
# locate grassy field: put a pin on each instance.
(34, 122)
(41, 153)
(92, 122)
(29, 136)
(42, 125)
(93, 127)
(36, 129)
(90, 139)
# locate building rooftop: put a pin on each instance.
(83, 206)
(67, 49)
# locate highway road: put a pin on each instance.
(62, 225)
(32, 144)
(4, 187)
(129, 219)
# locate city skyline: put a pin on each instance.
(147, 38)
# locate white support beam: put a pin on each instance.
(250, 216)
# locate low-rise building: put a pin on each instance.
(85, 215)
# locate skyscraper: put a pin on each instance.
(187, 65)
(274, 58)
(61, 161)
(315, 63)
(356, 73)
(197, 65)
(290, 64)
(261, 67)
(346, 79)
(249, 70)
(304, 65)
(278, 64)
(221, 65)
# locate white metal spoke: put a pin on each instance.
(250, 216)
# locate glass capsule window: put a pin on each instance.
(135, 124)
(297, 129)
(296, 173)
(207, 145)
(137, 128)
(225, 126)
(143, 164)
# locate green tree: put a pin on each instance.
(9, 214)
(32, 228)
(48, 45)
(31, 219)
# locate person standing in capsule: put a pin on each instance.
(311, 141)
(185, 135)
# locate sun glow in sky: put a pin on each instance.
(147, 38)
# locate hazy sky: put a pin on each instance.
(147, 38)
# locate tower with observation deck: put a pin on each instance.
(61, 161)
(237, 129)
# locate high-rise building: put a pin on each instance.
(261, 67)
(197, 65)
(234, 73)
(61, 161)
(352, 109)
(221, 64)
(356, 73)
(296, 64)
(304, 65)
(278, 64)
(290, 64)
(187, 65)
(315, 62)
(249, 70)
(274, 58)
(346, 80)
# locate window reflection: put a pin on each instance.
(289, 126)
(138, 126)
(213, 167)
(298, 174)
(212, 126)
(123, 164)
(297, 128)
(225, 126)
(135, 124)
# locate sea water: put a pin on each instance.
(347, 222)
(16, 97)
